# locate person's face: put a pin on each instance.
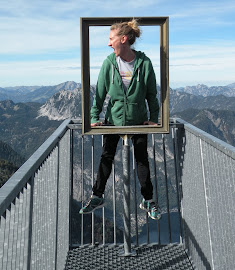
(115, 42)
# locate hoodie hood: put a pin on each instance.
(140, 56)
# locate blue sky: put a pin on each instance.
(40, 39)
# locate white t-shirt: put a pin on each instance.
(125, 71)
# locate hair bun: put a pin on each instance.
(135, 26)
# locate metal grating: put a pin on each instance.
(148, 257)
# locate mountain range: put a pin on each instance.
(42, 93)
(21, 129)
(38, 94)
(182, 101)
(24, 126)
(219, 123)
(205, 91)
(67, 104)
(29, 115)
(22, 122)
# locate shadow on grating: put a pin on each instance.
(147, 257)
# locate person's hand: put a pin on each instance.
(150, 123)
(96, 124)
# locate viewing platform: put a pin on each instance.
(193, 174)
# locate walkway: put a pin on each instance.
(149, 257)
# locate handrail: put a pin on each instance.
(32, 217)
(219, 144)
(18, 180)
(207, 171)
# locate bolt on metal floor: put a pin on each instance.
(149, 257)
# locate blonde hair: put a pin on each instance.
(130, 29)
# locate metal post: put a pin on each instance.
(135, 197)
(30, 222)
(156, 182)
(82, 192)
(166, 185)
(176, 162)
(57, 204)
(71, 186)
(92, 183)
(103, 210)
(126, 198)
(114, 208)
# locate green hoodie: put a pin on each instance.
(126, 109)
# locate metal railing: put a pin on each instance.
(39, 204)
(34, 208)
(207, 171)
(143, 230)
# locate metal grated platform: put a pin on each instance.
(149, 257)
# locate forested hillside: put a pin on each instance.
(6, 171)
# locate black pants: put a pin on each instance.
(141, 156)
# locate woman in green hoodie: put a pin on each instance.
(127, 76)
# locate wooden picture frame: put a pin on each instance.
(163, 126)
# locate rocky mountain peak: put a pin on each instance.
(62, 105)
(205, 91)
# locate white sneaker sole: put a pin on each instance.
(142, 207)
(157, 218)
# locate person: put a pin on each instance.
(129, 79)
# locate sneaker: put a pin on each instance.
(93, 204)
(151, 208)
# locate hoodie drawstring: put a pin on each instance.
(138, 76)
(112, 74)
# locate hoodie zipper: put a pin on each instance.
(124, 93)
